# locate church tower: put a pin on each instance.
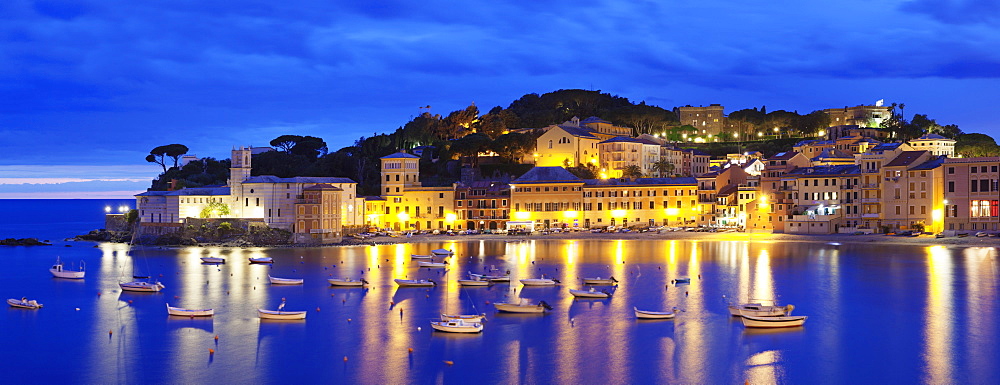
(399, 171)
(239, 171)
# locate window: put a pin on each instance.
(550, 144)
(951, 187)
(951, 170)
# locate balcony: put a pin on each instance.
(869, 185)
(871, 200)
(786, 188)
(848, 186)
(869, 215)
(307, 201)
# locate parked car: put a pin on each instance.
(939, 235)
(981, 234)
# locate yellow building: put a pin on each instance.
(317, 214)
(406, 204)
(546, 197)
(912, 189)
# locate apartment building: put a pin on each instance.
(775, 201)
(824, 198)
(482, 205)
(618, 153)
(935, 144)
(912, 189)
(639, 202)
(971, 197)
(708, 120)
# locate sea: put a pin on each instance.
(877, 313)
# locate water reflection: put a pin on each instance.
(938, 353)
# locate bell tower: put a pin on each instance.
(239, 171)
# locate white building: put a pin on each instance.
(936, 144)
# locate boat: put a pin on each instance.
(59, 271)
(418, 256)
(477, 318)
(493, 278)
(474, 281)
(644, 314)
(759, 310)
(590, 293)
(431, 264)
(457, 326)
(523, 307)
(179, 311)
(442, 253)
(679, 281)
(24, 303)
(284, 281)
(539, 282)
(141, 286)
(261, 260)
(213, 260)
(347, 282)
(774, 322)
(415, 282)
(281, 314)
(600, 281)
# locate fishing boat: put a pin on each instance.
(213, 260)
(281, 314)
(284, 281)
(523, 307)
(679, 281)
(141, 286)
(261, 260)
(774, 322)
(590, 293)
(415, 282)
(539, 282)
(476, 318)
(24, 303)
(457, 326)
(644, 314)
(600, 281)
(442, 253)
(419, 256)
(474, 281)
(347, 282)
(492, 278)
(179, 311)
(759, 310)
(59, 271)
(431, 264)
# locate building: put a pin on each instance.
(317, 215)
(971, 197)
(482, 205)
(861, 116)
(775, 200)
(546, 197)
(567, 145)
(713, 185)
(407, 205)
(618, 153)
(638, 202)
(824, 198)
(935, 144)
(708, 120)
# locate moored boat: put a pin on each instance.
(58, 270)
(457, 326)
(590, 293)
(418, 256)
(179, 311)
(284, 281)
(281, 314)
(600, 281)
(523, 307)
(773, 322)
(645, 314)
(24, 303)
(347, 282)
(477, 318)
(474, 280)
(415, 282)
(539, 282)
(759, 310)
(213, 260)
(431, 264)
(141, 286)
(442, 253)
(261, 260)
(679, 281)
(493, 278)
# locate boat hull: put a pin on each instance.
(261, 260)
(432, 264)
(418, 256)
(141, 287)
(538, 282)
(473, 318)
(473, 282)
(24, 304)
(755, 310)
(67, 274)
(597, 281)
(284, 281)
(513, 308)
(345, 282)
(213, 260)
(284, 315)
(412, 283)
(641, 314)
(589, 294)
(182, 312)
(774, 322)
(457, 327)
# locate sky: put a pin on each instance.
(88, 87)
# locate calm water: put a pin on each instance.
(54, 219)
(878, 314)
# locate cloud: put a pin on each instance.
(956, 11)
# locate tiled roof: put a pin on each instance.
(373, 198)
(323, 186)
(641, 181)
(905, 158)
(931, 137)
(845, 169)
(886, 146)
(577, 131)
(783, 155)
(594, 119)
(833, 153)
(297, 179)
(546, 174)
(399, 155)
(931, 164)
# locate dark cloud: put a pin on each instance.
(956, 11)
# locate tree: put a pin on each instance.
(310, 147)
(471, 145)
(215, 209)
(632, 171)
(513, 146)
(585, 171)
(159, 154)
(976, 145)
(664, 168)
(285, 142)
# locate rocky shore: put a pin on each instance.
(23, 242)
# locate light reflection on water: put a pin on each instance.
(896, 314)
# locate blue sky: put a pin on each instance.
(101, 82)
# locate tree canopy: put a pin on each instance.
(159, 154)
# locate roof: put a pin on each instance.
(577, 131)
(625, 139)
(641, 182)
(905, 158)
(323, 186)
(696, 152)
(205, 191)
(373, 198)
(594, 119)
(297, 179)
(886, 146)
(930, 164)
(399, 155)
(833, 153)
(844, 169)
(783, 155)
(932, 137)
(546, 174)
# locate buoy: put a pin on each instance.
(216, 337)
(317, 308)
(685, 294)
(211, 351)
(411, 350)
(699, 276)
(418, 328)
(343, 300)
(450, 363)
(487, 302)
(129, 301)
(77, 309)
(98, 294)
(176, 297)
(345, 358)
(348, 320)
(392, 303)
(110, 332)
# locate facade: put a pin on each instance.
(622, 202)
(708, 120)
(971, 197)
(775, 201)
(620, 152)
(482, 205)
(935, 144)
(406, 205)
(317, 215)
(546, 197)
(567, 145)
(861, 116)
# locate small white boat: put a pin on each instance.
(59, 271)
(774, 322)
(415, 282)
(493, 278)
(590, 293)
(24, 303)
(539, 282)
(523, 307)
(431, 264)
(179, 311)
(213, 260)
(280, 314)
(643, 314)
(442, 252)
(679, 281)
(347, 282)
(474, 281)
(476, 318)
(419, 256)
(284, 281)
(141, 286)
(600, 281)
(261, 260)
(457, 326)
(759, 310)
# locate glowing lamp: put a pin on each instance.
(673, 211)
(570, 214)
(522, 215)
(403, 216)
(450, 217)
(617, 213)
